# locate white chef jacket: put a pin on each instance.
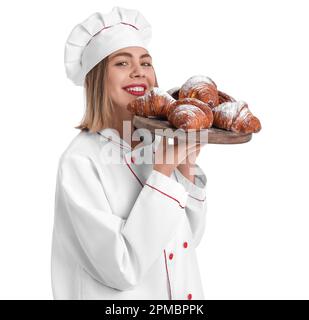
(124, 231)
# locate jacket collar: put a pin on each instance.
(113, 136)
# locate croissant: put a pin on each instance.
(235, 116)
(187, 117)
(184, 113)
(153, 103)
(202, 88)
(192, 113)
(224, 97)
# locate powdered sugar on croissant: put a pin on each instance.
(224, 97)
(195, 80)
(187, 116)
(202, 88)
(235, 116)
(181, 112)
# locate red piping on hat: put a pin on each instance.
(100, 31)
(128, 24)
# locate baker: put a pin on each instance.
(122, 230)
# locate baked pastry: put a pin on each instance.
(181, 111)
(202, 88)
(188, 113)
(187, 116)
(235, 116)
(221, 110)
(153, 103)
(224, 97)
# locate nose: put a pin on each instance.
(137, 71)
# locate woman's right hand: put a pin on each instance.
(169, 156)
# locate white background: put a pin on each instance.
(256, 240)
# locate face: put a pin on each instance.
(126, 67)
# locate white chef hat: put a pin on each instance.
(100, 35)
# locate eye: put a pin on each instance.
(148, 64)
(120, 63)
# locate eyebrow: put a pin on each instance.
(127, 54)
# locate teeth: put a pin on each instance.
(137, 89)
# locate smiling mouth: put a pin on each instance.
(136, 91)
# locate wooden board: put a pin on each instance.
(211, 135)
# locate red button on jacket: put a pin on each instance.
(171, 256)
(189, 296)
(185, 244)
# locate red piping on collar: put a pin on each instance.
(111, 140)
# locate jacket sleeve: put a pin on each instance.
(196, 207)
(117, 252)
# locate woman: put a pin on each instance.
(122, 230)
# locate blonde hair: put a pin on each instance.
(98, 112)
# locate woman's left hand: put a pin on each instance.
(187, 165)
